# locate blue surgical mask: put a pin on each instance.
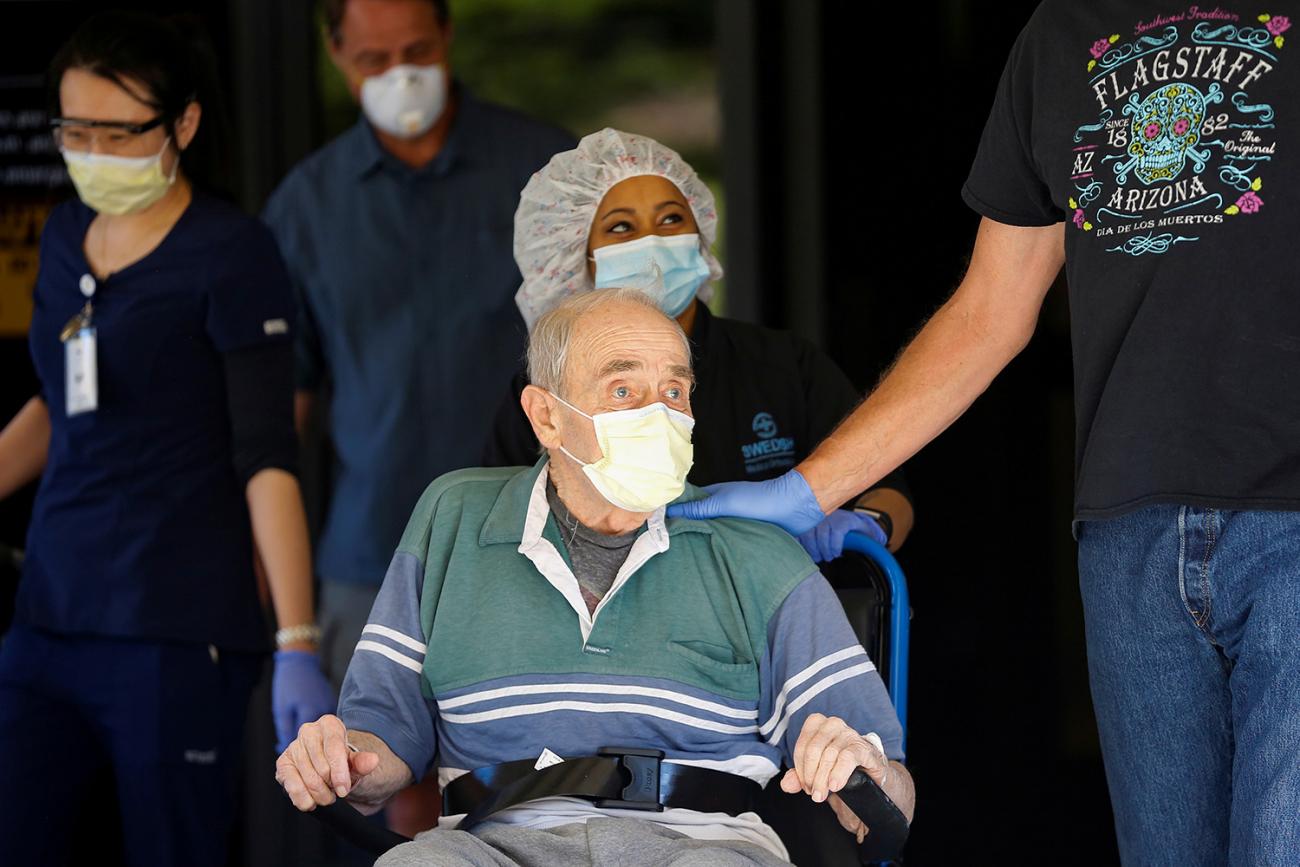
(670, 269)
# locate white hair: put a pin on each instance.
(548, 343)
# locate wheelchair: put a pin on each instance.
(871, 587)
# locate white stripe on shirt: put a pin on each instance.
(847, 653)
(816, 689)
(385, 650)
(598, 689)
(394, 635)
(597, 707)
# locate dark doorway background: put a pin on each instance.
(847, 132)
(1002, 736)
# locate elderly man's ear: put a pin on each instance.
(540, 408)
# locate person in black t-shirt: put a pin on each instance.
(622, 210)
(1152, 149)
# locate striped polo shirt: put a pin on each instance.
(714, 643)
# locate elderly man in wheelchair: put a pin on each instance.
(596, 684)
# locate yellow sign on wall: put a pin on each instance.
(20, 242)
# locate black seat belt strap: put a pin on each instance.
(616, 778)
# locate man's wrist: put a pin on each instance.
(810, 469)
(377, 788)
(899, 789)
(875, 741)
(880, 517)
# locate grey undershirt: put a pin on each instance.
(596, 557)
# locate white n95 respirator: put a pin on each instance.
(406, 100)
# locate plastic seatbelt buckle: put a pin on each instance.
(642, 789)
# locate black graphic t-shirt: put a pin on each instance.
(1165, 136)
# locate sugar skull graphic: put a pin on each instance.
(1164, 131)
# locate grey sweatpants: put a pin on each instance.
(606, 842)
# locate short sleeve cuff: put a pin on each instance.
(268, 332)
(306, 380)
(1006, 217)
(414, 755)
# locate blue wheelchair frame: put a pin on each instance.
(900, 616)
(814, 836)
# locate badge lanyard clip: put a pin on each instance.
(79, 355)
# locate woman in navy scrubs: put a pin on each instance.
(164, 440)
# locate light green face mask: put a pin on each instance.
(118, 185)
(647, 454)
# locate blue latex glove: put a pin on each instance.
(299, 693)
(826, 540)
(786, 501)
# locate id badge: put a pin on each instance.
(82, 385)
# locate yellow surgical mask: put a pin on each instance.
(646, 452)
(118, 185)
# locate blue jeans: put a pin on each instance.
(1193, 627)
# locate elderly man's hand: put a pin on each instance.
(825, 756)
(319, 767)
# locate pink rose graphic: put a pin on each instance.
(1249, 202)
(1277, 25)
(1099, 47)
(1078, 217)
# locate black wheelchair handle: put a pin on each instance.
(886, 824)
(345, 821)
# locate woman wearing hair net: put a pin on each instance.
(622, 210)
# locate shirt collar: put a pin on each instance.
(539, 542)
(520, 511)
(369, 155)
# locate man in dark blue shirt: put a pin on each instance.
(397, 236)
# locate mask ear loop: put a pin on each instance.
(571, 406)
(570, 455)
(176, 166)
